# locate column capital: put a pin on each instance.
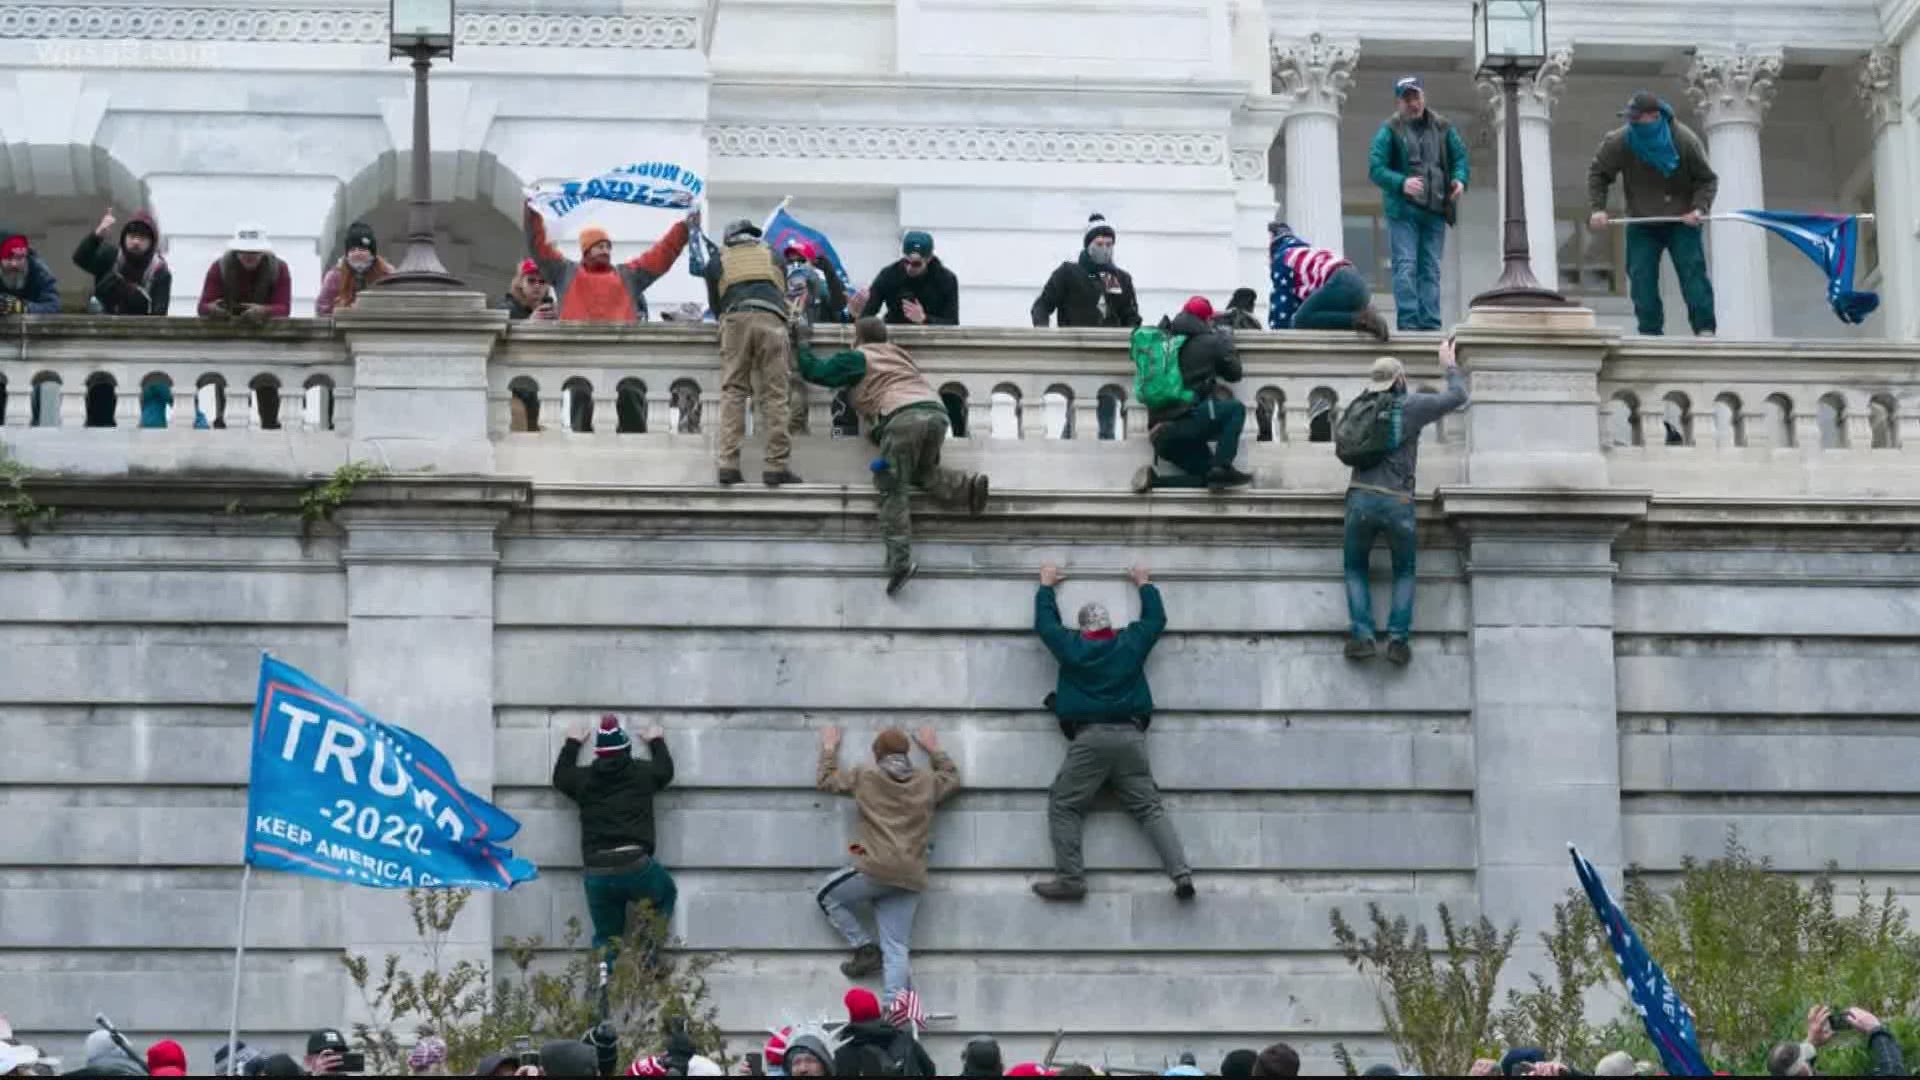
(1313, 73)
(1539, 93)
(1878, 85)
(1734, 87)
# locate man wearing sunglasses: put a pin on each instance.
(918, 290)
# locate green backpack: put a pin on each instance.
(1369, 430)
(1156, 368)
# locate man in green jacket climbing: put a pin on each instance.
(1419, 163)
(906, 417)
(1104, 706)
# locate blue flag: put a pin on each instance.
(336, 793)
(1669, 1022)
(1832, 241)
(661, 184)
(782, 227)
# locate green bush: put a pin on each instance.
(1438, 1010)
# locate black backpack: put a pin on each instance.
(897, 1058)
(1369, 429)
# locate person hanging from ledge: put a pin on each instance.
(130, 276)
(1665, 173)
(918, 289)
(615, 796)
(595, 289)
(1379, 437)
(749, 293)
(1193, 420)
(1317, 289)
(896, 802)
(909, 421)
(247, 283)
(360, 267)
(27, 285)
(1090, 290)
(1104, 706)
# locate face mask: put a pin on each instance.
(361, 261)
(1102, 255)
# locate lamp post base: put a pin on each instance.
(1520, 296)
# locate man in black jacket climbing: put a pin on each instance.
(1181, 431)
(615, 796)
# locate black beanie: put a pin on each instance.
(360, 235)
(1096, 227)
(1238, 1063)
(1243, 299)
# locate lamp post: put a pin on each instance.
(421, 29)
(1510, 41)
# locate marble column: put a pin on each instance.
(1538, 95)
(1256, 124)
(1733, 92)
(1312, 76)
(1878, 85)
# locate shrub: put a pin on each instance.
(1437, 1009)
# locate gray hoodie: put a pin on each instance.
(1395, 473)
(107, 1058)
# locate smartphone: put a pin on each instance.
(755, 1064)
(1837, 1018)
(353, 1061)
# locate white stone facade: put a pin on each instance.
(999, 125)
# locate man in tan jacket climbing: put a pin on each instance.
(896, 802)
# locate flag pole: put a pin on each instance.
(239, 955)
(1674, 219)
(776, 213)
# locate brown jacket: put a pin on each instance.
(895, 816)
(892, 382)
(1649, 194)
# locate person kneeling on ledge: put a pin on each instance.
(1181, 426)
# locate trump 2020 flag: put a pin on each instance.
(660, 184)
(1669, 1022)
(782, 227)
(1832, 241)
(336, 793)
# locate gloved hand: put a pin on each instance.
(12, 305)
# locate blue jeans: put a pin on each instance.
(1417, 244)
(1684, 244)
(1184, 441)
(1370, 514)
(1334, 304)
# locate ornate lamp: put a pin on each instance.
(1510, 42)
(423, 30)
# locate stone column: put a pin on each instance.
(1537, 97)
(1311, 76)
(420, 398)
(1878, 85)
(1733, 92)
(1256, 124)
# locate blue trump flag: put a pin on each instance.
(1669, 1022)
(1832, 241)
(782, 227)
(336, 793)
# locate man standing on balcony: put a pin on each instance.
(748, 292)
(1090, 290)
(27, 286)
(594, 289)
(1419, 163)
(1664, 170)
(918, 289)
(247, 283)
(909, 421)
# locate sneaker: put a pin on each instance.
(1369, 321)
(1223, 477)
(776, 477)
(865, 961)
(901, 576)
(977, 491)
(1143, 480)
(1399, 652)
(1361, 648)
(1183, 887)
(729, 477)
(1060, 889)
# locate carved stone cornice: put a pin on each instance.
(859, 142)
(337, 24)
(1878, 85)
(1734, 87)
(1313, 74)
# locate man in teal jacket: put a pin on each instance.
(1419, 163)
(1104, 706)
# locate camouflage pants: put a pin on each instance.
(911, 449)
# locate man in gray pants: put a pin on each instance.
(889, 872)
(1104, 706)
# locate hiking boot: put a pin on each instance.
(1183, 887)
(1369, 321)
(1361, 648)
(865, 961)
(776, 477)
(1060, 889)
(1223, 477)
(1143, 480)
(1399, 652)
(977, 491)
(900, 577)
(730, 477)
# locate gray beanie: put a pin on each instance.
(1093, 616)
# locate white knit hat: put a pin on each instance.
(250, 237)
(1096, 225)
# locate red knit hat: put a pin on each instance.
(862, 1006)
(166, 1058)
(1199, 307)
(13, 245)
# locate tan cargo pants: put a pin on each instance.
(753, 349)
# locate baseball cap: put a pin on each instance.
(1643, 101)
(324, 1040)
(1406, 83)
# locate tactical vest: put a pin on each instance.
(743, 263)
(891, 383)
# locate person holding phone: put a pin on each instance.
(327, 1055)
(1825, 1021)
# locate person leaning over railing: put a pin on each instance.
(130, 276)
(27, 286)
(248, 282)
